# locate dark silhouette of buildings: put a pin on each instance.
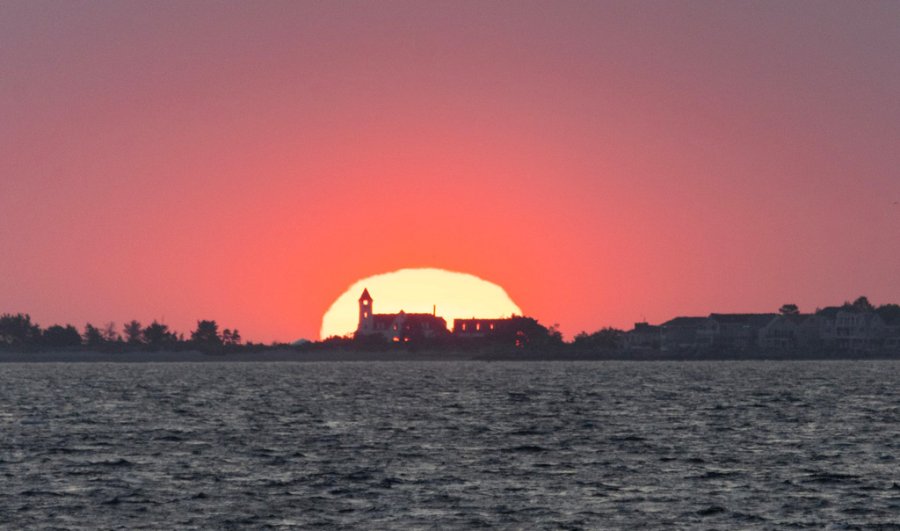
(855, 328)
(405, 327)
(397, 327)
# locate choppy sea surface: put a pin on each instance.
(455, 445)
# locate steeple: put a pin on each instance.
(366, 318)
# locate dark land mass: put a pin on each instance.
(857, 330)
(289, 354)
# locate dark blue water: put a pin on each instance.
(399, 445)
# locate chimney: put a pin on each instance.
(434, 310)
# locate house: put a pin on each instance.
(515, 330)
(892, 335)
(732, 330)
(644, 336)
(473, 328)
(397, 327)
(784, 332)
(858, 330)
(849, 328)
(411, 327)
(680, 333)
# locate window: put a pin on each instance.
(478, 326)
(365, 303)
(365, 315)
(492, 326)
(464, 327)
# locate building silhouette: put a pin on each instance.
(847, 328)
(397, 327)
(516, 330)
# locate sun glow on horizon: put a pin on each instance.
(455, 296)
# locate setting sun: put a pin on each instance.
(452, 295)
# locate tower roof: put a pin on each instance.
(365, 295)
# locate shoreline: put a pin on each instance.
(289, 355)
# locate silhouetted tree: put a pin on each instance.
(231, 338)
(554, 336)
(789, 309)
(93, 337)
(523, 332)
(606, 338)
(157, 336)
(345, 342)
(18, 330)
(60, 337)
(862, 304)
(364, 341)
(134, 334)
(109, 333)
(611, 337)
(206, 336)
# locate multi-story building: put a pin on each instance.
(397, 327)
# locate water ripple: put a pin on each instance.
(454, 445)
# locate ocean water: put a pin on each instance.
(455, 445)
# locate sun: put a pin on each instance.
(452, 295)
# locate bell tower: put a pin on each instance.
(366, 318)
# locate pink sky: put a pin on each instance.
(603, 162)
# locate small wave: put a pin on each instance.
(340, 491)
(118, 500)
(748, 517)
(831, 477)
(113, 463)
(604, 486)
(711, 510)
(527, 432)
(858, 510)
(168, 438)
(38, 492)
(389, 482)
(359, 475)
(525, 448)
(716, 474)
(65, 450)
(627, 438)
(277, 461)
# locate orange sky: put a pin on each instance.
(602, 162)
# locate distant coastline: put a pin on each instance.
(857, 330)
(292, 354)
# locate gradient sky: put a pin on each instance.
(604, 162)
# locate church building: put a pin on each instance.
(397, 327)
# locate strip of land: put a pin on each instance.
(344, 355)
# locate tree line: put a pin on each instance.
(19, 332)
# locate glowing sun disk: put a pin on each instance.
(456, 295)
